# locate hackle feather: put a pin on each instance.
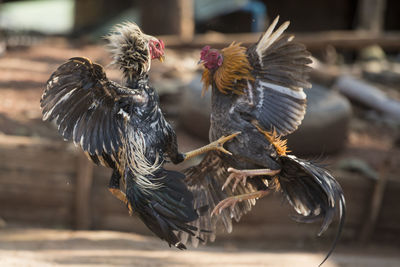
(233, 74)
(129, 48)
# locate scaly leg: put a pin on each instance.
(216, 145)
(231, 201)
(241, 176)
(113, 187)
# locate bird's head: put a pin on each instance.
(156, 48)
(229, 69)
(132, 50)
(211, 58)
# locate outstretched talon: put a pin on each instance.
(238, 175)
(219, 144)
(231, 201)
(216, 145)
(241, 176)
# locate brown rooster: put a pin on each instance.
(259, 92)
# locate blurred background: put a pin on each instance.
(48, 189)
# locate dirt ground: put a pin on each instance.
(45, 247)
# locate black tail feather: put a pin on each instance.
(313, 193)
(165, 210)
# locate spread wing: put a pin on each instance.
(88, 108)
(205, 181)
(280, 68)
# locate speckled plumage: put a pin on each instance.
(123, 127)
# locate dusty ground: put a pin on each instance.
(44, 247)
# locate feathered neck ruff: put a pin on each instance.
(233, 74)
(129, 48)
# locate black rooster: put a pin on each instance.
(259, 91)
(122, 127)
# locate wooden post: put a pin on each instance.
(175, 17)
(371, 14)
(90, 13)
(84, 178)
(376, 200)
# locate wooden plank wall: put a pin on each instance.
(51, 183)
(37, 181)
(38, 185)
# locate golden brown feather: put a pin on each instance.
(233, 74)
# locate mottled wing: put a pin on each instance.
(205, 181)
(85, 105)
(280, 68)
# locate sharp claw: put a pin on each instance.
(244, 181)
(223, 140)
(235, 174)
(224, 151)
(228, 180)
(228, 202)
(229, 137)
(233, 206)
(234, 187)
(234, 134)
(224, 185)
(213, 212)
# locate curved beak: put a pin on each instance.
(161, 58)
(200, 62)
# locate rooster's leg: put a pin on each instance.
(216, 145)
(114, 188)
(242, 175)
(231, 201)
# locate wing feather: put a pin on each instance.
(85, 104)
(280, 68)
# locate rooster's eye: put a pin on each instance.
(157, 45)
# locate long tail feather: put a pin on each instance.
(313, 193)
(167, 210)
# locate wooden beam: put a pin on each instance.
(55, 156)
(84, 178)
(347, 40)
